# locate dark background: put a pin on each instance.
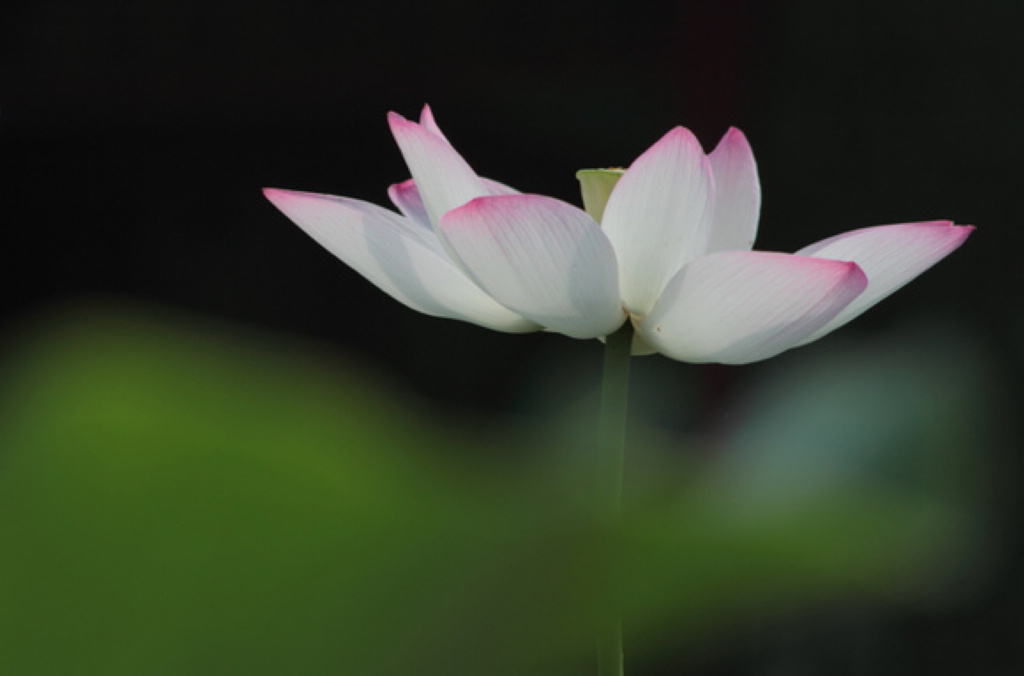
(135, 137)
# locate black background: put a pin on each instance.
(135, 138)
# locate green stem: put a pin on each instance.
(611, 457)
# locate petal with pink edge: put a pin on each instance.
(736, 307)
(737, 194)
(397, 256)
(890, 255)
(444, 179)
(406, 197)
(540, 257)
(427, 120)
(657, 216)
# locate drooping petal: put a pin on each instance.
(657, 216)
(406, 197)
(444, 179)
(737, 194)
(890, 255)
(397, 256)
(736, 307)
(540, 257)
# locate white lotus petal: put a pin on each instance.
(444, 179)
(737, 194)
(427, 120)
(406, 197)
(497, 188)
(890, 255)
(657, 216)
(397, 256)
(493, 187)
(543, 258)
(736, 307)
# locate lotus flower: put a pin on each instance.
(665, 244)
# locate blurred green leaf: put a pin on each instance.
(180, 498)
(855, 474)
(176, 499)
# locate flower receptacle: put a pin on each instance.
(596, 186)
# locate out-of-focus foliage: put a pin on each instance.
(855, 474)
(176, 498)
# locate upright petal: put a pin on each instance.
(736, 307)
(540, 257)
(444, 179)
(397, 256)
(890, 255)
(493, 187)
(737, 194)
(658, 215)
(427, 120)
